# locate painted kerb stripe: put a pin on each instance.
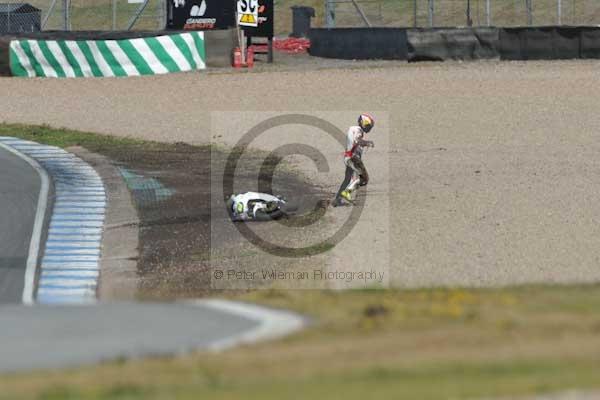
(70, 262)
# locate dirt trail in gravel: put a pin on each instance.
(493, 167)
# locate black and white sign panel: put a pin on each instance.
(198, 15)
(247, 13)
(265, 20)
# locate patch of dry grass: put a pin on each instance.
(424, 344)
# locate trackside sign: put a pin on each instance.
(247, 11)
(194, 15)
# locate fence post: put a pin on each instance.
(66, 17)
(559, 11)
(529, 6)
(469, 19)
(330, 13)
(488, 17)
(137, 14)
(361, 13)
(48, 14)
(415, 13)
(162, 14)
(430, 13)
(114, 15)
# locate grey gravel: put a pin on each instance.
(530, 213)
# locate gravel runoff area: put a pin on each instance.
(492, 165)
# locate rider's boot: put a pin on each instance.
(347, 195)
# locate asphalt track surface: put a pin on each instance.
(19, 191)
(42, 337)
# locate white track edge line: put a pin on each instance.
(36, 233)
(272, 323)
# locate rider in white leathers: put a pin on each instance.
(356, 173)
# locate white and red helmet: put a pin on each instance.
(366, 122)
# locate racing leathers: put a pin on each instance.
(356, 173)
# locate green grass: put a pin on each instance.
(104, 144)
(65, 137)
(444, 381)
(416, 344)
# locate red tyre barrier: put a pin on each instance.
(292, 45)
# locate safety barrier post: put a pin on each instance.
(114, 15)
(431, 7)
(559, 11)
(529, 5)
(66, 15)
(330, 13)
(415, 13)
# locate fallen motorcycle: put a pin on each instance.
(254, 206)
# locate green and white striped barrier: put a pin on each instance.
(126, 57)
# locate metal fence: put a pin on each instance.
(94, 14)
(423, 13)
(151, 14)
(19, 18)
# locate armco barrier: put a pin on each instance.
(359, 43)
(509, 44)
(525, 43)
(218, 46)
(542, 43)
(439, 44)
(567, 43)
(590, 42)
